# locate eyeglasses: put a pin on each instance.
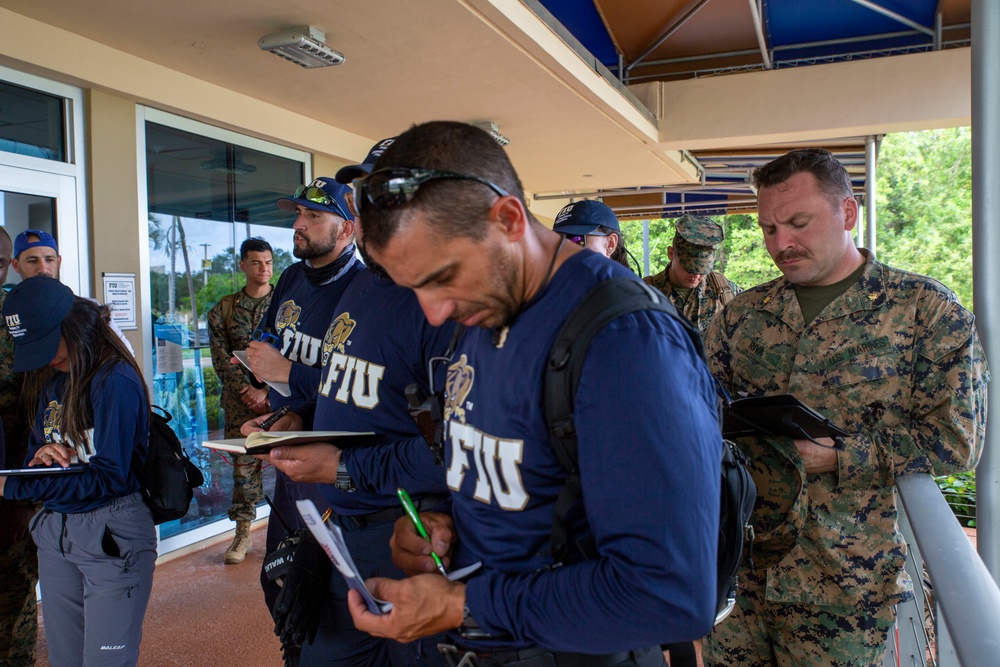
(320, 196)
(391, 188)
(579, 239)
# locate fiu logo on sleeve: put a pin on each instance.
(288, 316)
(494, 461)
(358, 379)
(337, 335)
(457, 387)
(51, 420)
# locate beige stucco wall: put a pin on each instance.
(113, 201)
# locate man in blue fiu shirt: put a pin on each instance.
(444, 213)
(302, 305)
(377, 344)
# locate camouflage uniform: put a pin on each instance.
(895, 361)
(18, 558)
(248, 487)
(695, 243)
(703, 302)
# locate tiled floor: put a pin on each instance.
(203, 613)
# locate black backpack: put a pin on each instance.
(605, 302)
(168, 476)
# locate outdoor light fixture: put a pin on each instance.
(303, 45)
(493, 130)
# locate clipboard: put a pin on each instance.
(44, 470)
(780, 415)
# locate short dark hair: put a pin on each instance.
(453, 207)
(254, 244)
(832, 178)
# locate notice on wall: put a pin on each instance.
(119, 296)
(169, 357)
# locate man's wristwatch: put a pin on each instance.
(344, 481)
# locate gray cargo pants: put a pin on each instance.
(96, 571)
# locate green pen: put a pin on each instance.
(411, 512)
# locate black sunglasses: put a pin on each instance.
(320, 196)
(579, 239)
(391, 188)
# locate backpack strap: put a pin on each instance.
(228, 305)
(721, 286)
(605, 302)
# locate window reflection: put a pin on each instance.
(205, 197)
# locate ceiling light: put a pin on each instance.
(222, 166)
(303, 45)
(493, 130)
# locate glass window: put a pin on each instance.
(32, 123)
(205, 197)
(20, 212)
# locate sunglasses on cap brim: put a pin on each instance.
(320, 196)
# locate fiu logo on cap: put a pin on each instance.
(14, 325)
(457, 387)
(51, 420)
(381, 147)
(318, 183)
(563, 213)
(288, 316)
(337, 335)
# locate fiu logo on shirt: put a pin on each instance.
(288, 316)
(51, 420)
(356, 380)
(296, 346)
(494, 461)
(336, 336)
(457, 387)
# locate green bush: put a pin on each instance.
(960, 492)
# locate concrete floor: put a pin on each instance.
(203, 612)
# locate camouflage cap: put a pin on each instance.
(695, 242)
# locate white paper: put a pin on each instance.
(332, 540)
(279, 387)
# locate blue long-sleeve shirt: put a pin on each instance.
(298, 315)
(120, 420)
(649, 449)
(378, 343)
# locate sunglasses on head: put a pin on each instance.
(320, 196)
(391, 188)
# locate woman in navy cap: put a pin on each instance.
(95, 535)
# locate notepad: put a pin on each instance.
(280, 387)
(261, 442)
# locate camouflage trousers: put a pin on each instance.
(18, 605)
(248, 487)
(760, 633)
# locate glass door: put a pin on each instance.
(32, 199)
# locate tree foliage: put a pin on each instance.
(923, 209)
(924, 206)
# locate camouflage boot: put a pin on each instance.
(241, 545)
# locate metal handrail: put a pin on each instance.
(964, 591)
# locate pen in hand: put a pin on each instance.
(275, 416)
(411, 512)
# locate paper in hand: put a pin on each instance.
(332, 540)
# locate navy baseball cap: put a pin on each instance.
(350, 172)
(323, 194)
(585, 217)
(21, 242)
(33, 312)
